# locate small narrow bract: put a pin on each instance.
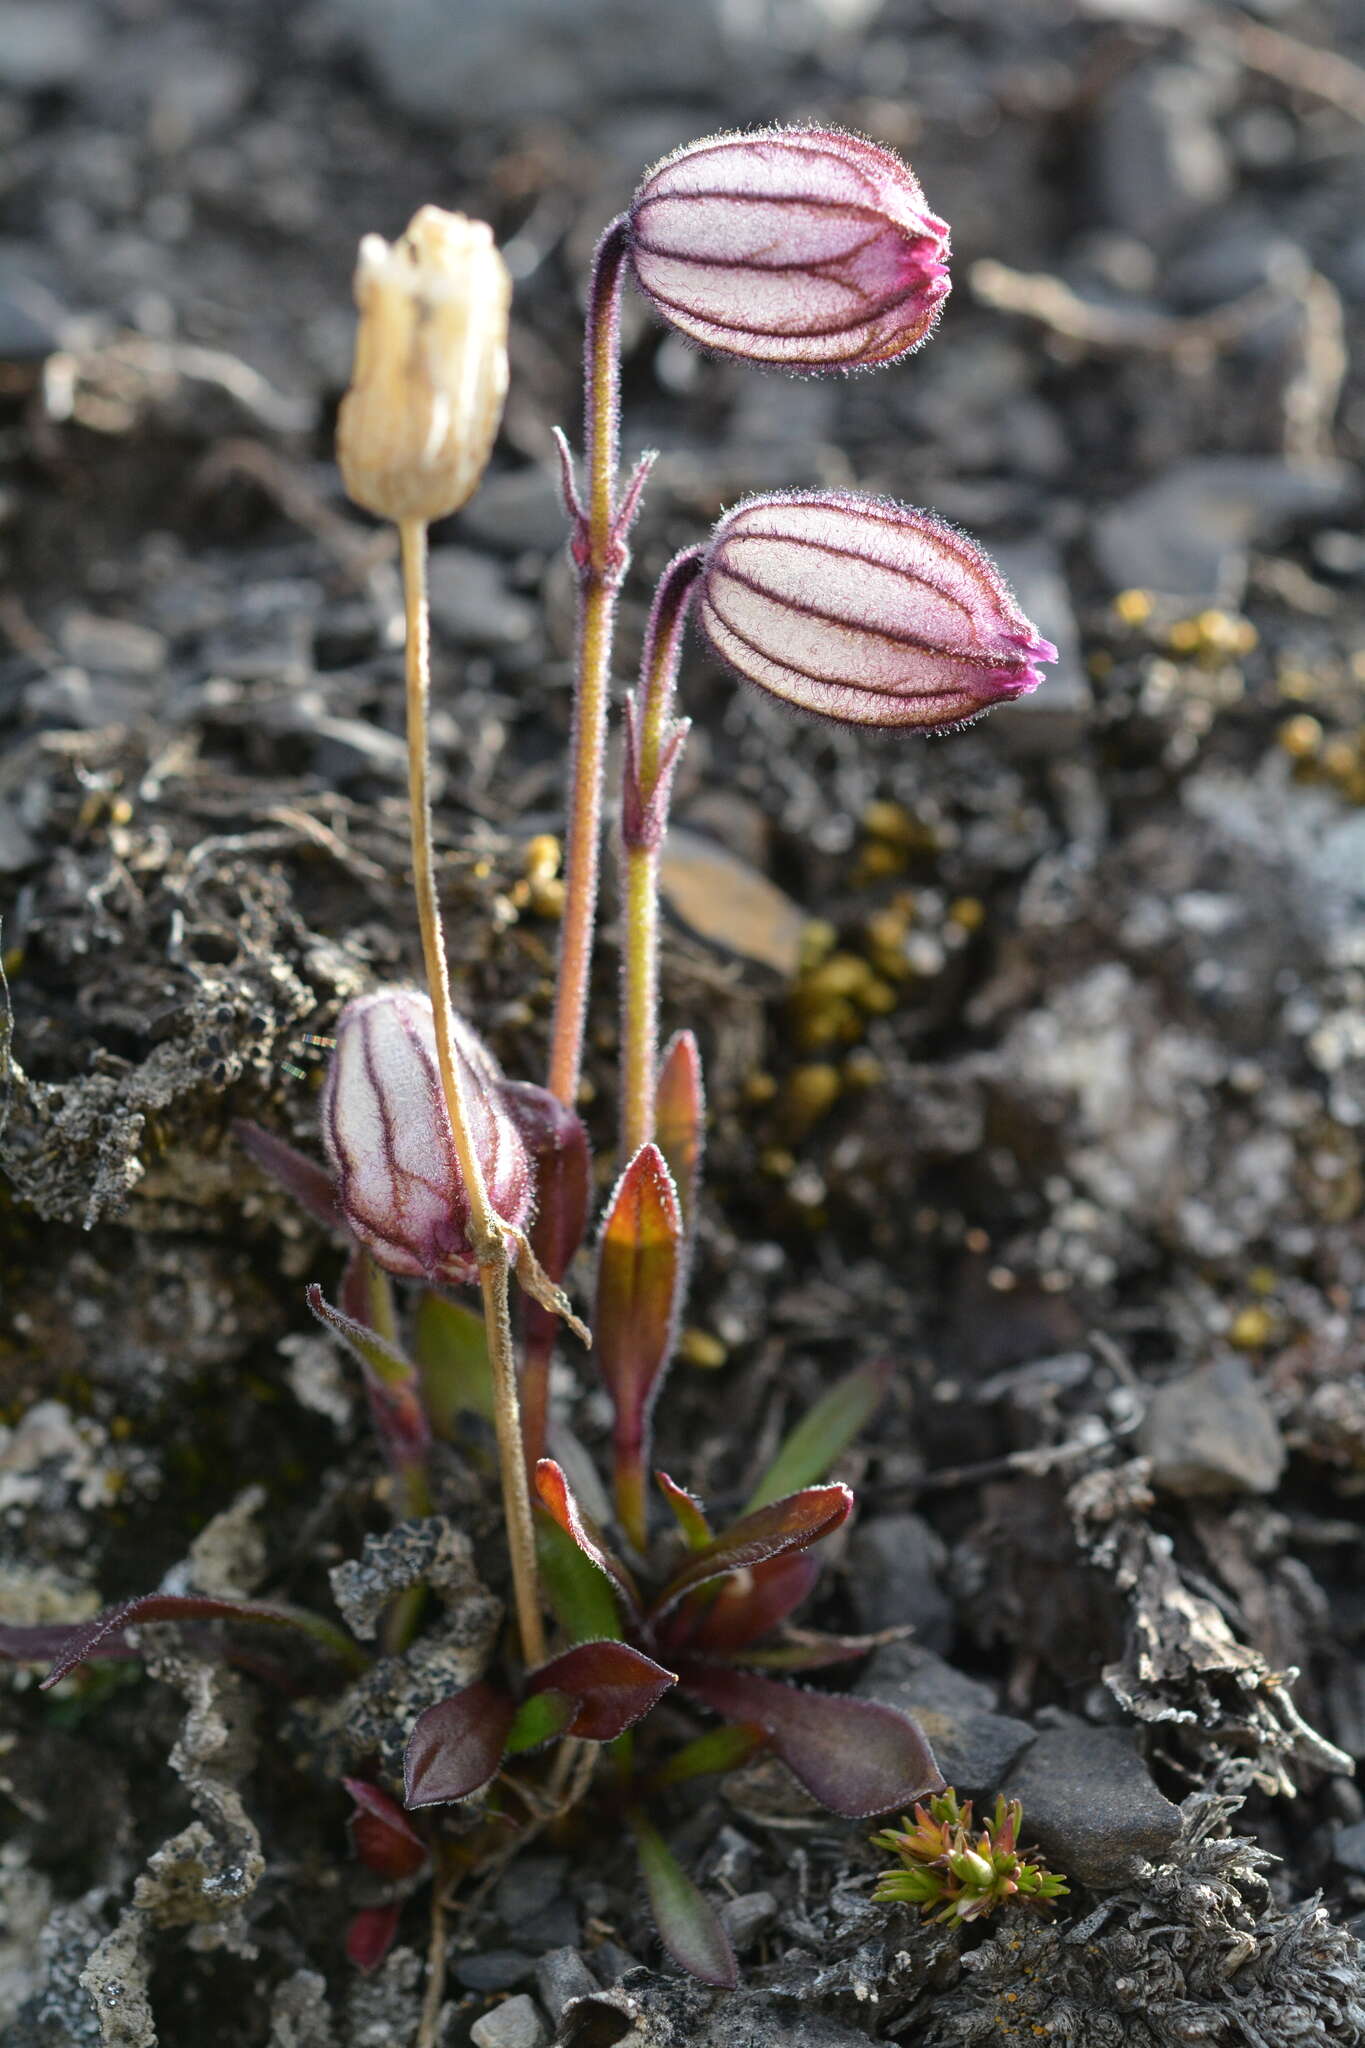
(389, 1139)
(804, 247)
(865, 611)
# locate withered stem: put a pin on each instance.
(486, 1233)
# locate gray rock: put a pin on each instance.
(33, 318)
(299, 2014)
(516, 509)
(894, 1568)
(495, 1969)
(470, 601)
(516, 2023)
(18, 847)
(1235, 257)
(557, 1926)
(347, 749)
(1186, 533)
(114, 647)
(528, 1886)
(973, 1745)
(45, 44)
(1348, 1849)
(560, 1977)
(748, 1916)
(1058, 713)
(496, 60)
(1090, 1804)
(1158, 157)
(1211, 1432)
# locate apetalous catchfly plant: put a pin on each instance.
(800, 249)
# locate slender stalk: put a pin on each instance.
(655, 742)
(600, 555)
(486, 1233)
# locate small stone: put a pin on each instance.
(517, 509)
(973, 1745)
(557, 1926)
(729, 904)
(1090, 1804)
(1159, 159)
(1186, 534)
(471, 603)
(1348, 1849)
(516, 2023)
(748, 1916)
(561, 1977)
(45, 44)
(611, 1962)
(495, 1969)
(1059, 713)
(346, 750)
(894, 1570)
(1211, 1432)
(528, 1886)
(113, 647)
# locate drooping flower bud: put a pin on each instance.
(417, 426)
(389, 1139)
(804, 247)
(865, 611)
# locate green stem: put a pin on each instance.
(600, 555)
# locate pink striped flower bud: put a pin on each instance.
(389, 1140)
(802, 247)
(865, 611)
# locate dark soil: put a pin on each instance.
(1042, 1075)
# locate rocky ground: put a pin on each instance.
(1036, 1055)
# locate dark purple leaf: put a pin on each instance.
(308, 1183)
(856, 1757)
(791, 1524)
(614, 1685)
(370, 1936)
(688, 1926)
(456, 1746)
(557, 1497)
(40, 1641)
(751, 1604)
(85, 1640)
(384, 1838)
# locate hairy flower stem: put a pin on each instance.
(654, 742)
(598, 546)
(486, 1233)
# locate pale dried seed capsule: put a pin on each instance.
(418, 423)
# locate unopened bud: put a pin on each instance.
(865, 611)
(804, 247)
(389, 1138)
(418, 424)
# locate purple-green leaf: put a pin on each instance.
(308, 1183)
(384, 1838)
(680, 1119)
(456, 1746)
(88, 1640)
(785, 1525)
(637, 1280)
(558, 1499)
(688, 1511)
(614, 1685)
(751, 1604)
(687, 1922)
(824, 1433)
(856, 1757)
